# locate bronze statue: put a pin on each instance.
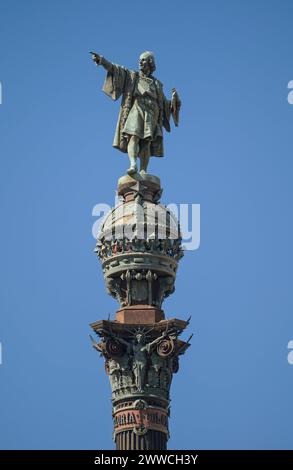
(144, 109)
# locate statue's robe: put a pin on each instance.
(123, 82)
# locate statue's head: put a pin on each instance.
(147, 63)
(139, 338)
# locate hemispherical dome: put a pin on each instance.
(144, 220)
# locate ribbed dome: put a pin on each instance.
(146, 220)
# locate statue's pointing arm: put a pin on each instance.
(100, 60)
(115, 80)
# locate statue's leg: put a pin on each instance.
(145, 156)
(144, 161)
(133, 149)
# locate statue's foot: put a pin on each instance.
(143, 172)
(132, 170)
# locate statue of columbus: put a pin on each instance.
(144, 110)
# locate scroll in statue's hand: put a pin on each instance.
(175, 100)
(175, 106)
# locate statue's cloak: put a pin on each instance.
(122, 82)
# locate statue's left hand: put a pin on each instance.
(174, 93)
(175, 100)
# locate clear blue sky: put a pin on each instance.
(231, 62)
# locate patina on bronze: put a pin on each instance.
(144, 110)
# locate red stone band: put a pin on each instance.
(154, 419)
